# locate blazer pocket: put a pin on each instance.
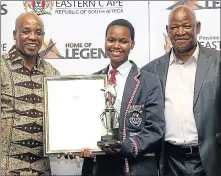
(218, 138)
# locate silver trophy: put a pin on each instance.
(109, 118)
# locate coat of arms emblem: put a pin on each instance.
(40, 7)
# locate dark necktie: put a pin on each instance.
(112, 79)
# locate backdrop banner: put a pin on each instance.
(75, 36)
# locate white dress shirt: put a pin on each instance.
(121, 77)
(179, 93)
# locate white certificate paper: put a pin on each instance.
(72, 117)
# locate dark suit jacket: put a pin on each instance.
(206, 104)
(142, 93)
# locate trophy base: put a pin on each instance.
(107, 141)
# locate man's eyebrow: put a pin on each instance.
(25, 27)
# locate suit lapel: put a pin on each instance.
(129, 89)
(203, 64)
(162, 69)
(105, 70)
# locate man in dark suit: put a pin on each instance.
(139, 102)
(190, 77)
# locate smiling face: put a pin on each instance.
(29, 35)
(118, 44)
(182, 30)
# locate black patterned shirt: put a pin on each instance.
(22, 115)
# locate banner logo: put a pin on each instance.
(40, 7)
(84, 51)
(197, 5)
(49, 51)
(88, 7)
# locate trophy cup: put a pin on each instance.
(109, 118)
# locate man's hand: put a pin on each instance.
(85, 153)
(112, 148)
(116, 147)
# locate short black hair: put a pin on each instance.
(125, 23)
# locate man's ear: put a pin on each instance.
(132, 45)
(14, 34)
(198, 27)
(167, 29)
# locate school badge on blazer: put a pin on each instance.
(134, 114)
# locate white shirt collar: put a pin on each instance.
(122, 69)
(195, 55)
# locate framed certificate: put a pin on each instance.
(73, 105)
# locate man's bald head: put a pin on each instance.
(28, 35)
(181, 9)
(26, 15)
